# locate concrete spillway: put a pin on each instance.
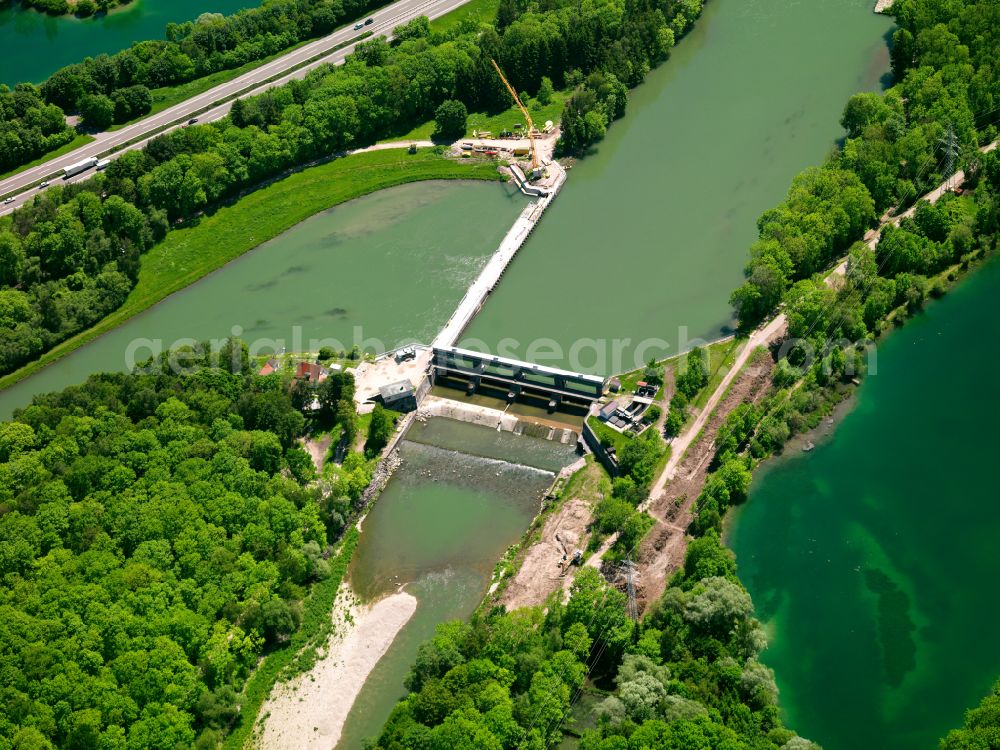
(490, 276)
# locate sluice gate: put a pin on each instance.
(518, 376)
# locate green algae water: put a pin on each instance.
(35, 45)
(439, 527)
(651, 232)
(380, 270)
(873, 559)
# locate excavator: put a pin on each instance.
(527, 118)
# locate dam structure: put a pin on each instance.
(444, 360)
(493, 271)
(517, 377)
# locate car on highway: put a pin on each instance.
(192, 121)
(369, 21)
(358, 25)
(43, 184)
(9, 200)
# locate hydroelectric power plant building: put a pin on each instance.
(517, 377)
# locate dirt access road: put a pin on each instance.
(873, 236)
(678, 448)
(662, 550)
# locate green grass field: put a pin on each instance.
(607, 435)
(80, 140)
(188, 254)
(721, 355)
(474, 10)
(494, 123)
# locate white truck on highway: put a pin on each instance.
(102, 164)
(80, 166)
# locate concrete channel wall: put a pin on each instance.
(524, 186)
(485, 416)
(594, 443)
(491, 274)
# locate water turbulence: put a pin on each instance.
(446, 517)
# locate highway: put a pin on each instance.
(23, 185)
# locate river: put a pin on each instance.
(35, 45)
(651, 232)
(383, 269)
(872, 559)
(440, 526)
(645, 242)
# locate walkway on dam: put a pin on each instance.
(490, 276)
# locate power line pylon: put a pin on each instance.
(952, 149)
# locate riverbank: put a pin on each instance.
(216, 238)
(461, 496)
(863, 539)
(308, 712)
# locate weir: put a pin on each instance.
(444, 358)
(491, 274)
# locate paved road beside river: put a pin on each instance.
(385, 20)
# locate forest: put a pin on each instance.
(686, 676)
(158, 535)
(73, 254)
(943, 107)
(115, 88)
(29, 127)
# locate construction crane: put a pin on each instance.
(524, 111)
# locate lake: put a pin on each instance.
(872, 559)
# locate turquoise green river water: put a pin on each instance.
(650, 234)
(35, 45)
(439, 527)
(873, 559)
(871, 563)
(386, 268)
